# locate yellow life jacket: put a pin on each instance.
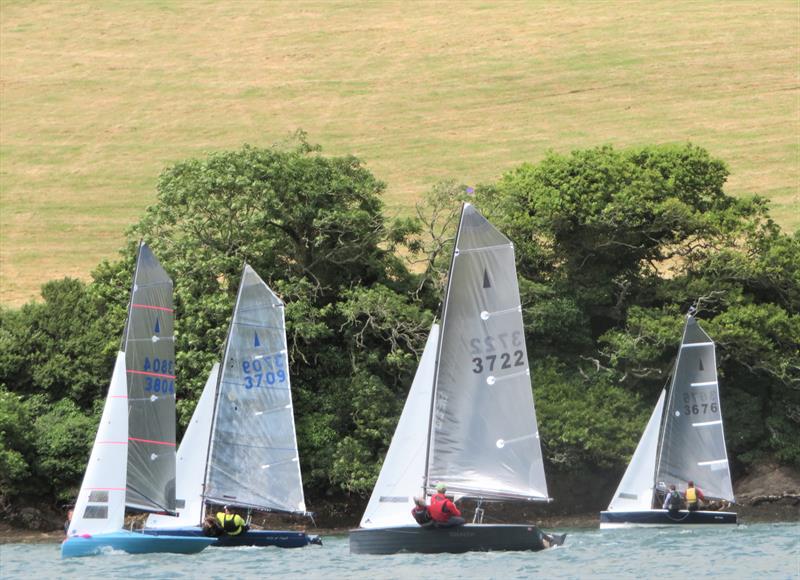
(231, 523)
(691, 495)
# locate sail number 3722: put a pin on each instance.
(497, 352)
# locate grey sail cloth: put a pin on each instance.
(149, 345)
(692, 441)
(253, 458)
(484, 435)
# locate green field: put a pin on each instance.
(98, 97)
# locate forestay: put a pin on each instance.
(635, 491)
(485, 439)
(693, 441)
(149, 347)
(191, 464)
(100, 507)
(401, 477)
(253, 458)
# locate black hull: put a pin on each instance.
(264, 538)
(457, 540)
(662, 518)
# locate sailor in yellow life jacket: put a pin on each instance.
(231, 524)
(692, 495)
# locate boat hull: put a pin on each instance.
(662, 518)
(264, 538)
(455, 540)
(132, 543)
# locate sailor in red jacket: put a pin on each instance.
(444, 512)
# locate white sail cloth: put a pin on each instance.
(191, 464)
(100, 507)
(635, 491)
(485, 439)
(402, 475)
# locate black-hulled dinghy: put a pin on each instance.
(469, 419)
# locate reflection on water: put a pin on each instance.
(758, 550)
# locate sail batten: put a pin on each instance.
(483, 392)
(253, 460)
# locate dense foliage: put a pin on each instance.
(613, 247)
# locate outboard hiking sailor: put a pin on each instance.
(231, 524)
(444, 512)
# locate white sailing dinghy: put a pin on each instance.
(240, 448)
(469, 419)
(683, 441)
(133, 458)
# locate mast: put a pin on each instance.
(130, 297)
(425, 481)
(217, 392)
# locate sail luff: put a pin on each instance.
(426, 484)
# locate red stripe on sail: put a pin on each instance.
(148, 307)
(152, 374)
(151, 441)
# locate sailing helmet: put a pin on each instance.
(441, 487)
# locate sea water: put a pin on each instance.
(762, 551)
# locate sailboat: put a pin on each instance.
(469, 418)
(132, 462)
(240, 448)
(684, 441)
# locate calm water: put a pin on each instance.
(763, 551)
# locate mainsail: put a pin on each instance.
(403, 470)
(635, 491)
(253, 460)
(149, 346)
(484, 439)
(692, 441)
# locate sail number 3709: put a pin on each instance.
(497, 352)
(263, 372)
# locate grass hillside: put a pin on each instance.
(98, 97)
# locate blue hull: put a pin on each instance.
(662, 518)
(263, 538)
(132, 543)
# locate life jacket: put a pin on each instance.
(232, 524)
(442, 509)
(675, 500)
(691, 495)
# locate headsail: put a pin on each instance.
(191, 465)
(101, 502)
(253, 459)
(693, 441)
(149, 345)
(635, 491)
(484, 436)
(401, 476)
